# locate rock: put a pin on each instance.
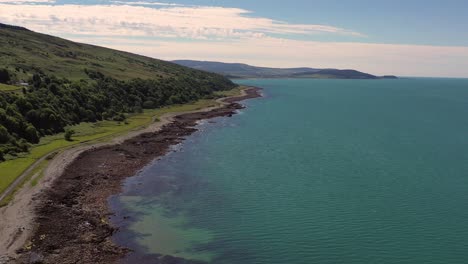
(20, 251)
(4, 259)
(36, 258)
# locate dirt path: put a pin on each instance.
(17, 218)
(21, 178)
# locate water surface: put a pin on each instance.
(317, 171)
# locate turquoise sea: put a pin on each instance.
(316, 171)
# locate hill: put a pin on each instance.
(48, 84)
(25, 52)
(238, 70)
(335, 74)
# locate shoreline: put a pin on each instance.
(71, 216)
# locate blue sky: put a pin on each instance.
(397, 21)
(411, 38)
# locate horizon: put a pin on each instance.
(376, 38)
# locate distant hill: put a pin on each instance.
(335, 74)
(25, 52)
(239, 70)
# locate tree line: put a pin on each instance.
(49, 104)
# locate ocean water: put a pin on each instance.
(316, 171)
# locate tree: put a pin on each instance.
(53, 88)
(4, 135)
(51, 104)
(4, 76)
(137, 109)
(148, 104)
(31, 134)
(36, 79)
(68, 134)
(119, 117)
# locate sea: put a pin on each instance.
(315, 171)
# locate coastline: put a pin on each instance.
(69, 221)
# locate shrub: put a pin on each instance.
(68, 134)
(31, 134)
(137, 109)
(148, 104)
(4, 76)
(119, 117)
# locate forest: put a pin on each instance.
(48, 104)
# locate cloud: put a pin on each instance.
(379, 59)
(17, 2)
(199, 22)
(143, 3)
(231, 35)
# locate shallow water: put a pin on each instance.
(317, 171)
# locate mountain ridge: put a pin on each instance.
(241, 71)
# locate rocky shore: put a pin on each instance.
(72, 219)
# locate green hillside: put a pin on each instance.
(25, 52)
(48, 84)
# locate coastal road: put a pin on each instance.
(10, 189)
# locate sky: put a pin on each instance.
(405, 38)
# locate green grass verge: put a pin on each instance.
(38, 172)
(35, 175)
(232, 92)
(92, 133)
(8, 88)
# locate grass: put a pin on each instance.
(8, 88)
(232, 92)
(24, 52)
(88, 133)
(36, 174)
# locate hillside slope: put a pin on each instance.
(48, 84)
(238, 70)
(25, 52)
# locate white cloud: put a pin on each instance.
(143, 3)
(27, 1)
(229, 34)
(169, 21)
(379, 59)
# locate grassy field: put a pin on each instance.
(92, 133)
(33, 177)
(9, 88)
(232, 92)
